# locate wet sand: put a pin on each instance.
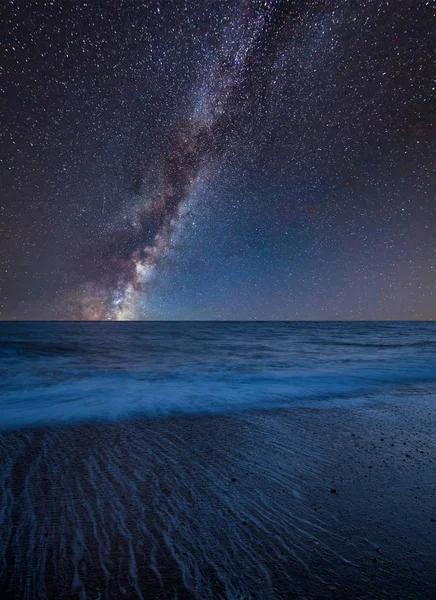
(326, 502)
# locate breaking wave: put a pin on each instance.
(70, 372)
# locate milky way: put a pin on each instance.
(223, 102)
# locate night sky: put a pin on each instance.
(218, 160)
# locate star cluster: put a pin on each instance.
(218, 160)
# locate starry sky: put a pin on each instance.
(240, 159)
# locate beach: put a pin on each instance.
(323, 502)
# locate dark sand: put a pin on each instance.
(332, 502)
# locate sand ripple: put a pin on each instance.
(200, 507)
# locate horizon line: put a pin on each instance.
(431, 320)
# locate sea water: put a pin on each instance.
(60, 372)
(99, 499)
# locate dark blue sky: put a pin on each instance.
(237, 160)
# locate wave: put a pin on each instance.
(35, 349)
(111, 395)
(420, 344)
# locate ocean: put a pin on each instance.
(207, 461)
(58, 372)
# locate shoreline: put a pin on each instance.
(304, 502)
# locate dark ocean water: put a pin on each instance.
(67, 372)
